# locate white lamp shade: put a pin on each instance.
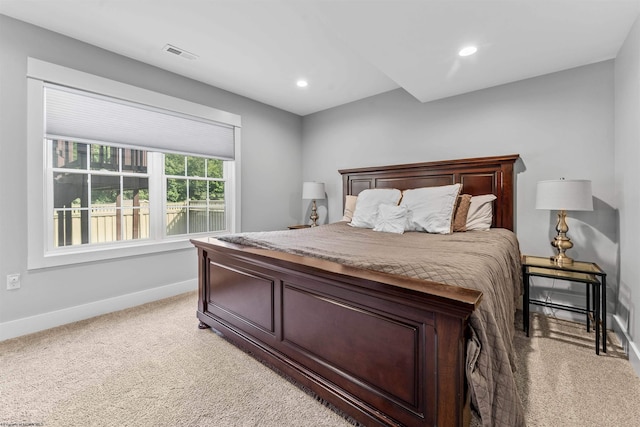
(313, 190)
(564, 194)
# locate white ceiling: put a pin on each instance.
(348, 49)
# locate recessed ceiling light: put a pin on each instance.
(469, 50)
(302, 83)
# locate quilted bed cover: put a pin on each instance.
(488, 261)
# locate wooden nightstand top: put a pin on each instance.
(299, 226)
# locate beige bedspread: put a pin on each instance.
(488, 261)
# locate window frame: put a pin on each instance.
(40, 255)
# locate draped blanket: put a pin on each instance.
(488, 261)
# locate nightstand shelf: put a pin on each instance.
(588, 273)
(298, 227)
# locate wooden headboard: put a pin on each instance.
(480, 175)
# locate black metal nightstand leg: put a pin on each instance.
(596, 319)
(589, 308)
(525, 301)
(604, 313)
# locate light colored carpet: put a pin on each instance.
(146, 366)
(564, 383)
(152, 366)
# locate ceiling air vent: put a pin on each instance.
(179, 52)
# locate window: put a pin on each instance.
(195, 194)
(100, 194)
(127, 171)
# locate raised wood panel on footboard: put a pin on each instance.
(359, 341)
(254, 306)
(380, 357)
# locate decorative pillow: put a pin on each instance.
(391, 219)
(431, 208)
(366, 211)
(480, 212)
(349, 207)
(460, 212)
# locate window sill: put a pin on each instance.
(87, 254)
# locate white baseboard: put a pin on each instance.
(40, 322)
(630, 347)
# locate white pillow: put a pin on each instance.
(349, 207)
(431, 208)
(367, 204)
(391, 219)
(480, 212)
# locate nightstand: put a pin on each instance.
(298, 227)
(589, 273)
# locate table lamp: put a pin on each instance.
(564, 195)
(314, 191)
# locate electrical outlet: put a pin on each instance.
(13, 281)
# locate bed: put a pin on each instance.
(384, 348)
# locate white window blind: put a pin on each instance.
(72, 113)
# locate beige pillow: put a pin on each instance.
(349, 207)
(461, 212)
(480, 213)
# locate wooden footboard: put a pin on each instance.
(384, 349)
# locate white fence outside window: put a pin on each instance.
(179, 218)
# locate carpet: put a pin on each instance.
(151, 366)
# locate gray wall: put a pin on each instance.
(627, 149)
(270, 194)
(561, 124)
